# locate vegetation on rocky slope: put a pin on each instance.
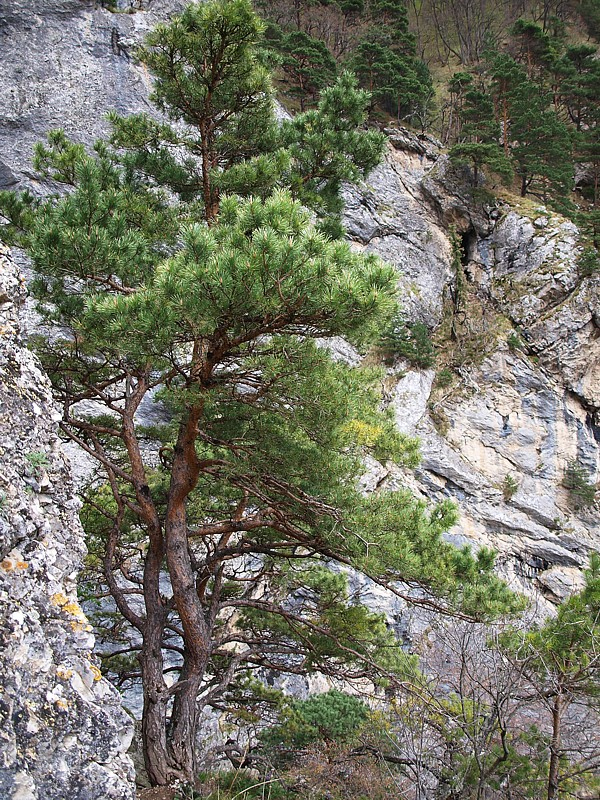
(197, 262)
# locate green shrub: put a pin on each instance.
(444, 378)
(514, 342)
(582, 493)
(588, 262)
(509, 487)
(329, 717)
(409, 340)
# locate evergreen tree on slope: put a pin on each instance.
(177, 264)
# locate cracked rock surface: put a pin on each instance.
(63, 732)
(522, 411)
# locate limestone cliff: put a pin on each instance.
(523, 411)
(521, 399)
(523, 395)
(63, 733)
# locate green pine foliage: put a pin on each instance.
(590, 13)
(370, 38)
(542, 154)
(582, 491)
(191, 260)
(306, 64)
(329, 717)
(408, 340)
(479, 143)
(560, 660)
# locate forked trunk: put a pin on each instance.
(195, 629)
(154, 716)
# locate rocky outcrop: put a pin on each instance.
(522, 403)
(63, 732)
(520, 399)
(65, 64)
(518, 402)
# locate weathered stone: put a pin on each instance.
(409, 399)
(65, 63)
(522, 414)
(389, 215)
(561, 581)
(63, 733)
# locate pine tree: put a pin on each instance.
(561, 659)
(536, 48)
(542, 149)
(399, 83)
(178, 267)
(580, 86)
(480, 135)
(537, 141)
(505, 78)
(306, 63)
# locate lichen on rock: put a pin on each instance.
(63, 731)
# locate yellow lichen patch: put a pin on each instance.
(11, 563)
(64, 672)
(62, 704)
(59, 599)
(96, 672)
(69, 606)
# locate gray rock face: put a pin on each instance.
(63, 733)
(388, 216)
(65, 64)
(522, 414)
(532, 264)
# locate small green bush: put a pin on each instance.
(514, 342)
(509, 487)
(444, 377)
(582, 493)
(37, 461)
(588, 262)
(329, 717)
(409, 340)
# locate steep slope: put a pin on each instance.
(518, 403)
(65, 64)
(522, 411)
(523, 396)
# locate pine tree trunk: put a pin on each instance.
(154, 716)
(505, 126)
(555, 748)
(184, 476)
(184, 721)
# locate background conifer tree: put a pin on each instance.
(480, 135)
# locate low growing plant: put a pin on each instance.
(444, 378)
(514, 342)
(409, 340)
(582, 492)
(588, 262)
(509, 487)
